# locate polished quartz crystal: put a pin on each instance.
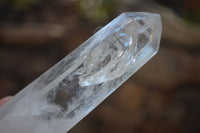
(67, 92)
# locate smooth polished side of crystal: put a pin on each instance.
(67, 92)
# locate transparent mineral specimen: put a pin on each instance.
(67, 92)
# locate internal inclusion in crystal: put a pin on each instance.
(117, 52)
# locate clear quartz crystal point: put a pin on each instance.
(67, 92)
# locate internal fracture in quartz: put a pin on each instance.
(67, 92)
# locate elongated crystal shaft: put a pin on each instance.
(67, 92)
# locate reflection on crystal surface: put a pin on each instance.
(63, 95)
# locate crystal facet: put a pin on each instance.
(67, 92)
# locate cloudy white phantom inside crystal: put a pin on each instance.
(67, 92)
